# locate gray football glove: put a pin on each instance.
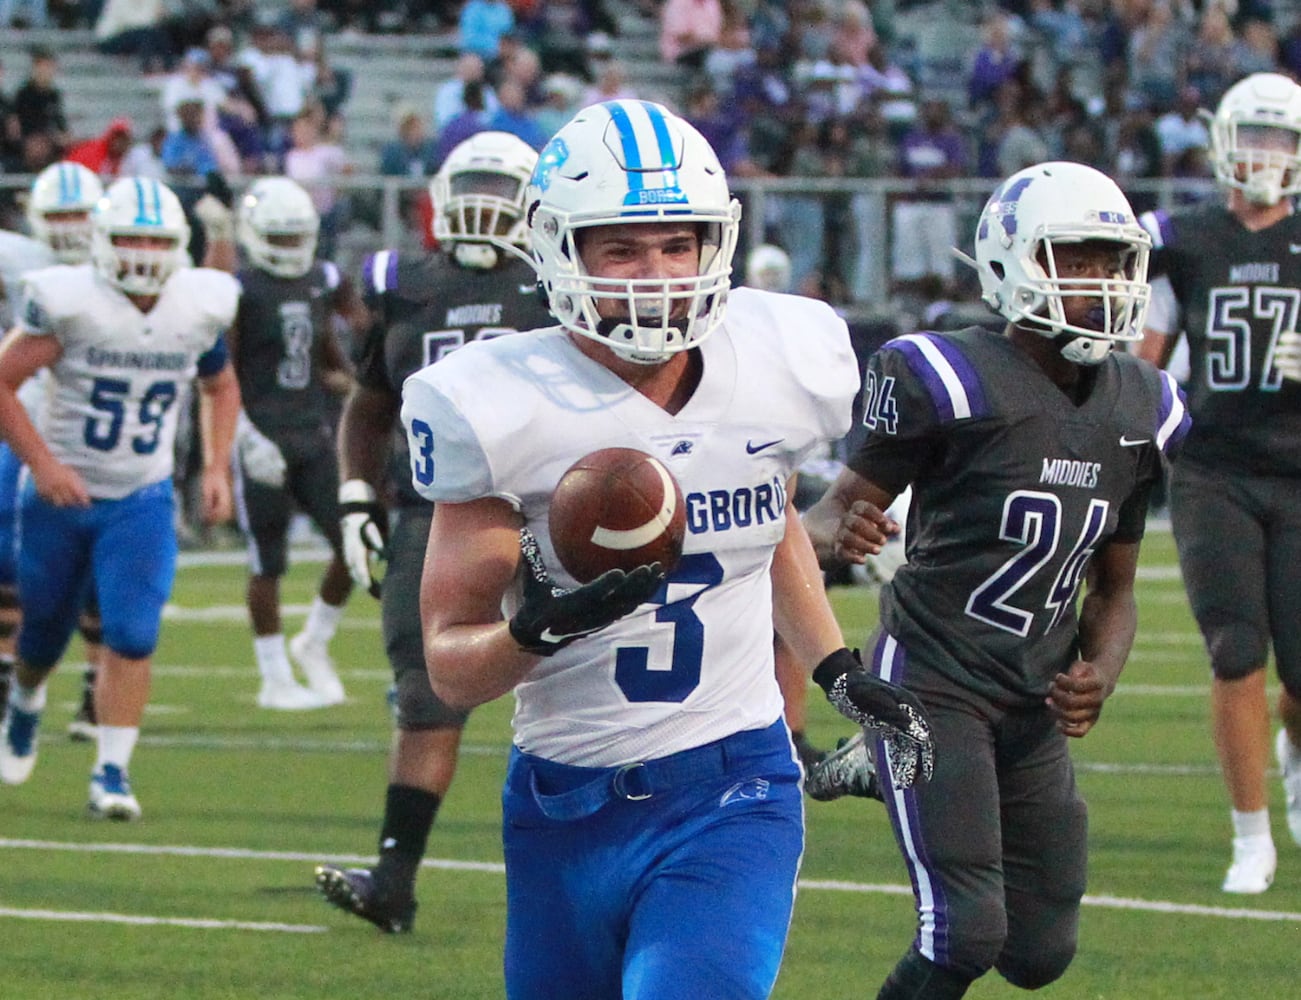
(364, 524)
(258, 454)
(551, 618)
(894, 713)
(1287, 355)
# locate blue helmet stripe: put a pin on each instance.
(628, 140)
(148, 215)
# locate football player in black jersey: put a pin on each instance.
(422, 309)
(1228, 274)
(1031, 455)
(289, 361)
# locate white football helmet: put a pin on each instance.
(59, 207)
(1045, 206)
(139, 206)
(478, 196)
(276, 225)
(631, 162)
(1256, 138)
(768, 267)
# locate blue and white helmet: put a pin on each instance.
(624, 162)
(59, 207)
(1044, 206)
(139, 206)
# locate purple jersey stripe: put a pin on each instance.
(949, 378)
(1173, 420)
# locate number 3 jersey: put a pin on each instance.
(111, 409)
(1237, 291)
(505, 418)
(1014, 488)
(427, 307)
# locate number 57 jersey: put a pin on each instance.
(123, 376)
(1015, 486)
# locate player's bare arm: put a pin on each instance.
(336, 369)
(219, 404)
(472, 557)
(1156, 347)
(849, 523)
(21, 357)
(1108, 622)
(364, 433)
(802, 614)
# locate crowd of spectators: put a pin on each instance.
(781, 88)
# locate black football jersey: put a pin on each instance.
(1237, 291)
(1014, 487)
(278, 323)
(427, 307)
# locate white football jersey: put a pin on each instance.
(506, 418)
(18, 255)
(111, 409)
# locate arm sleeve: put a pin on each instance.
(448, 463)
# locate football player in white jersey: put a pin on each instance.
(652, 814)
(58, 216)
(123, 337)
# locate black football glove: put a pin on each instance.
(551, 618)
(894, 713)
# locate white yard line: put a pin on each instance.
(196, 923)
(495, 868)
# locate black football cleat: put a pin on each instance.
(353, 890)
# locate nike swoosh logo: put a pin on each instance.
(549, 636)
(753, 449)
(1127, 443)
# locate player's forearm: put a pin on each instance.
(470, 665)
(18, 431)
(802, 615)
(1108, 624)
(365, 435)
(219, 405)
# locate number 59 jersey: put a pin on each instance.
(111, 409)
(506, 417)
(1015, 486)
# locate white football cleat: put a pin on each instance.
(314, 660)
(1254, 863)
(110, 795)
(18, 745)
(288, 696)
(1289, 764)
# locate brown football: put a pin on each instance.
(617, 508)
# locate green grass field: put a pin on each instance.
(210, 895)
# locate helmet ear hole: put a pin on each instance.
(997, 267)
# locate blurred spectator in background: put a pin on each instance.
(724, 126)
(474, 118)
(1256, 50)
(450, 98)
(271, 62)
(1022, 144)
(611, 84)
(411, 153)
(854, 34)
(732, 55)
(562, 94)
(24, 14)
(1156, 52)
(996, 61)
(558, 30)
(188, 154)
(521, 65)
(924, 222)
(39, 102)
(324, 82)
(11, 133)
(871, 155)
(304, 24)
(514, 116)
(135, 28)
(191, 82)
(317, 165)
(105, 153)
(145, 158)
(482, 23)
(1181, 128)
(1062, 27)
(1136, 150)
(688, 30)
(1210, 64)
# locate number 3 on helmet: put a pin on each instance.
(139, 207)
(625, 162)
